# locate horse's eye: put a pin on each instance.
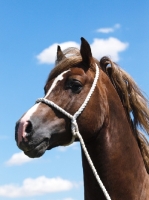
(74, 85)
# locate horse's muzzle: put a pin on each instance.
(32, 147)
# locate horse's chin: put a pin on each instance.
(38, 150)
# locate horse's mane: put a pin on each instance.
(134, 102)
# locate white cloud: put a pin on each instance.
(18, 159)
(108, 47)
(100, 47)
(34, 187)
(48, 55)
(108, 29)
(105, 30)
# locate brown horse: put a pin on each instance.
(108, 124)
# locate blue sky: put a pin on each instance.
(29, 34)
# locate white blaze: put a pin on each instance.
(33, 109)
(58, 78)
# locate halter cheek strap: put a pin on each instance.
(75, 129)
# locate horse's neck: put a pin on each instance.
(117, 159)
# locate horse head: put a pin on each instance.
(43, 127)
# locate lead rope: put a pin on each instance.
(75, 129)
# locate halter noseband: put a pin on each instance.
(75, 129)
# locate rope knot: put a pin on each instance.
(74, 127)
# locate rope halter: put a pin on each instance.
(75, 129)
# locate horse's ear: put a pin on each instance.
(86, 53)
(60, 55)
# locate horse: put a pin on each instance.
(109, 123)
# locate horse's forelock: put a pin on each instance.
(72, 57)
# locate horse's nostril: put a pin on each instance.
(29, 128)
